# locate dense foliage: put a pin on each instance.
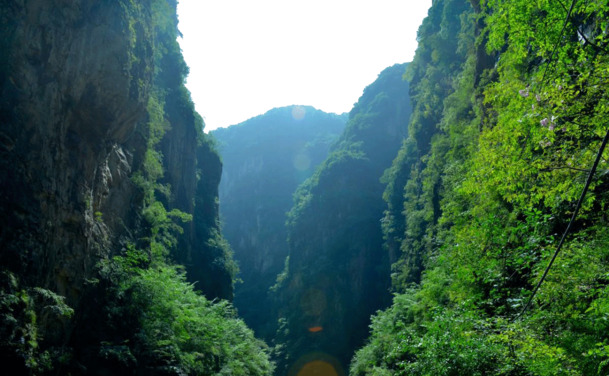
(337, 274)
(504, 131)
(191, 167)
(264, 160)
(158, 324)
(20, 309)
(493, 130)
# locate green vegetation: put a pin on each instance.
(152, 304)
(156, 321)
(183, 166)
(503, 132)
(172, 328)
(21, 311)
(452, 185)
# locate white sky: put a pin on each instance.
(247, 56)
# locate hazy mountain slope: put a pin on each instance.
(265, 159)
(338, 272)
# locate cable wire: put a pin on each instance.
(562, 31)
(575, 212)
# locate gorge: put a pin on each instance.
(414, 235)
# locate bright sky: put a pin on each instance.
(246, 56)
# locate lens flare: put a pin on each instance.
(298, 112)
(317, 368)
(318, 364)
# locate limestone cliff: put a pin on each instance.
(76, 81)
(72, 97)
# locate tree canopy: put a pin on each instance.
(505, 129)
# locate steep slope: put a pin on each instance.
(337, 273)
(191, 171)
(265, 159)
(503, 136)
(414, 181)
(100, 149)
(68, 111)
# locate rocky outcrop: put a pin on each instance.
(72, 96)
(192, 171)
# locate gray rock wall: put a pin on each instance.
(73, 92)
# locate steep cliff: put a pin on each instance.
(191, 172)
(337, 273)
(265, 159)
(69, 112)
(104, 166)
(501, 245)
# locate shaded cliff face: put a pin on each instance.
(192, 171)
(97, 127)
(265, 159)
(72, 96)
(209, 262)
(338, 273)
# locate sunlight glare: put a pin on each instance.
(316, 329)
(298, 112)
(317, 368)
(246, 57)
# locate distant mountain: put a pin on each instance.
(265, 159)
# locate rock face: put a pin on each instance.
(76, 81)
(72, 96)
(209, 263)
(337, 273)
(265, 159)
(192, 168)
